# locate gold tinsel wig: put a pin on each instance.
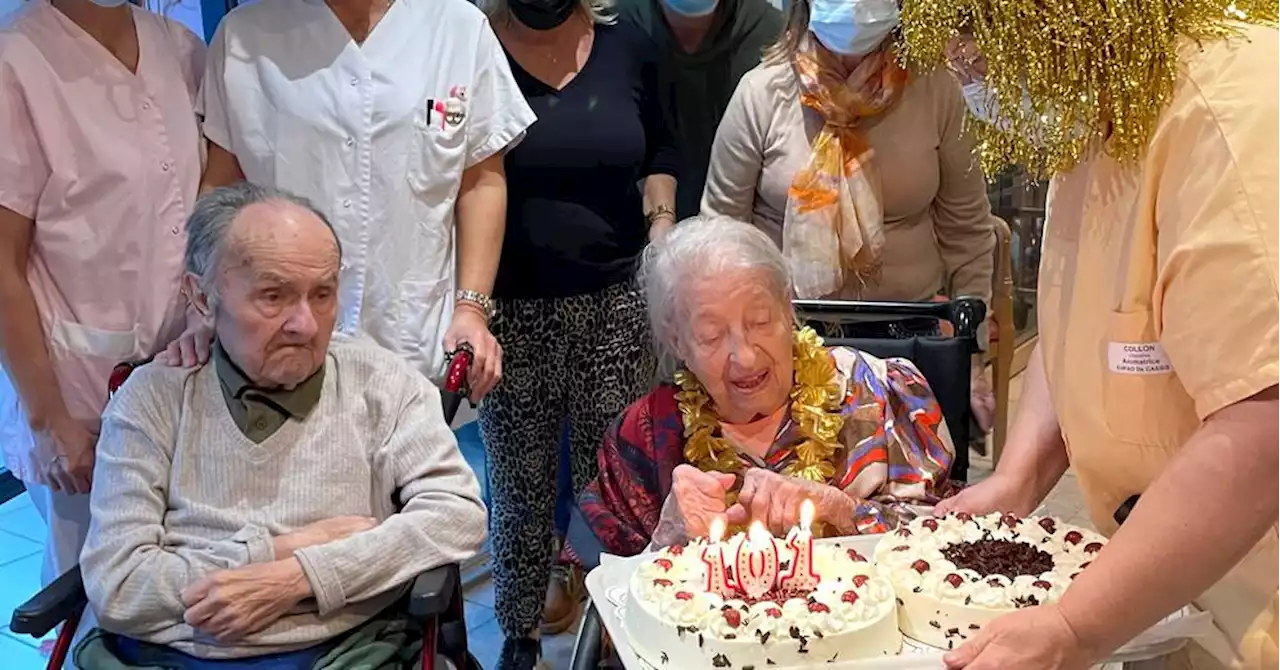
(1089, 68)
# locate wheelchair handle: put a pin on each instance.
(455, 380)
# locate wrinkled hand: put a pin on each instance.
(231, 604)
(775, 499)
(322, 532)
(982, 400)
(696, 499)
(191, 349)
(65, 455)
(469, 326)
(1035, 638)
(997, 493)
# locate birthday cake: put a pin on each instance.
(755, 601)
(956, 573)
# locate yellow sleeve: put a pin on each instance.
(1213, 163)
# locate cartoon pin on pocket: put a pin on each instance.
(455, 108)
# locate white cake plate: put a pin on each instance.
(607, 586)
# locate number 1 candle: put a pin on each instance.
(800, 577)
(713, 557)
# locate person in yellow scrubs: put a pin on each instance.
(1157, 367)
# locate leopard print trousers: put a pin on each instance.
(581, 360)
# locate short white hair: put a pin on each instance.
(698, 248)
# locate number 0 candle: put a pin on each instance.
(756, 567)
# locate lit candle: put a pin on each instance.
(756, 567)
(713, 557)
(801, 577)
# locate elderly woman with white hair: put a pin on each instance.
(761, 416)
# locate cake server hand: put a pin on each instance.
(1035, 638)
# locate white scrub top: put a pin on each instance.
(376, 135)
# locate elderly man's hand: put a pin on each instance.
(696, 499)
(231, 604)
(470, 327)
(1035, 638)
(775, 499)
(191, 349)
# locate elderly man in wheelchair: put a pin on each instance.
(268, 510)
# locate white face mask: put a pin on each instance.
(983, 106)
(852, 27)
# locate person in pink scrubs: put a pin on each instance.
(100, 159)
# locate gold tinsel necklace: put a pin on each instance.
(817, 398)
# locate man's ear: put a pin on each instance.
(196, 296)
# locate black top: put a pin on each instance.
(703, 81)
(575, 220)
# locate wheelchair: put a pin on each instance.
(945, 363)
(434, 598)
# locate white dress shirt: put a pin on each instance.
(376, 135)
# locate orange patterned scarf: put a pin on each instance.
(835, 220)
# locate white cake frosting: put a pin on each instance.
(943, 605)
(673, 621)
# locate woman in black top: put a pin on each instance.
(591, 182)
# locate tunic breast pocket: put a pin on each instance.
(437, 158)
(1144, 402)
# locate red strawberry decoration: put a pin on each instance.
(733, 617)
(1093, 547)
(1048, 525)
(684, 595)
(1073, 537)
(773, 613)
(676, 549)
(931, 524)
(860, 580)
(920, 566)
(903, 532)
(663, 563)
(855, 556)
(954, 580)
(817, 607)
(1041, 584)
(1010, 520)
(849, 597)
(964, 516)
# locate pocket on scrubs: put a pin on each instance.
(83, 358)
(421, 328)
(434, 166)
(1142, 406)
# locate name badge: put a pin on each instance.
(1138, 358)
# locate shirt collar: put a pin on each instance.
(297, 402)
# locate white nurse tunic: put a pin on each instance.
(376, 135)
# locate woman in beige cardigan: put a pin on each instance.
(907, 218)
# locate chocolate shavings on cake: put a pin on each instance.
(999, 557)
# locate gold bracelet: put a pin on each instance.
(654, 214)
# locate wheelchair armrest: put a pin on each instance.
(590, 646)
(53, 605)
(433, 591)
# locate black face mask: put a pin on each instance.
(542, 14)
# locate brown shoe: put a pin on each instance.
(565, 594)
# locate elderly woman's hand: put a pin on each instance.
(695, 500)
(775, 501)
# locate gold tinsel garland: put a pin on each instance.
(817, 398)
(1094, 70)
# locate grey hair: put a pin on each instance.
(210, 221)
(602, 12)
(701, 247)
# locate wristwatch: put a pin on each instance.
(484, 302)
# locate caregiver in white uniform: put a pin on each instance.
(391, 116)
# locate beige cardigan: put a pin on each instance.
(939, 231)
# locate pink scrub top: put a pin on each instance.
(107, 163)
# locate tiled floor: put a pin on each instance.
(21, 531)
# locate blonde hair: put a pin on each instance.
(602, 12)
(792, 35)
